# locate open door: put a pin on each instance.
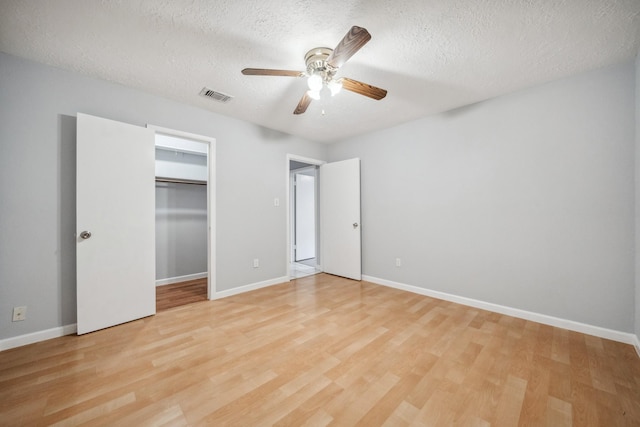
(340, 218)
(115, 210)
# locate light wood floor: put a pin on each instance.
(323, 351)
(177, 294)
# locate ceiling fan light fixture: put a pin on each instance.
(334, 86)
(314, 94)
(314, 82)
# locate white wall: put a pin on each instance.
(37, 186)
(525, 201)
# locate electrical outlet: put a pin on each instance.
(398, 262)
(19, 313)
(256, 263)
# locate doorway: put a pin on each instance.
(304, 230)
(184, 267)
(337, 218)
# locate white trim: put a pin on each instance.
(250, 287)
(211, 215)
(21, 340)
(178, 279)
(571, 325)
(34, 337)
(211, 198)
(302, 159)
(181, 145)
(61, 331)
(181, 134)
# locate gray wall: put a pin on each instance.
(526, 200)
(173, 164)
(637, 324)
(37, 186)
(181, 229)
(181, 215)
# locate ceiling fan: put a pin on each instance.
(322, 64)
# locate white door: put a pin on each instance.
(305, 216)
(340, 218)
(115, 203)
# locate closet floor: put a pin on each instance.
(177, 294)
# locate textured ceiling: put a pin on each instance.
(431, 56)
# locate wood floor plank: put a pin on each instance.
(510, 404)
(534, 405)
(310, 411)
(558, 412)
(322, 350)
(179, 294)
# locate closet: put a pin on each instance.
(181, 221)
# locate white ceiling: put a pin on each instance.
(431, 56)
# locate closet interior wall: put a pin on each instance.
(181, 216)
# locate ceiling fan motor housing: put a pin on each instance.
(316, 61)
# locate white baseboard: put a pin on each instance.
(34, 337)
(8, 343)
(597, 331)
(627, 338)
(178, 279)
(250, 287)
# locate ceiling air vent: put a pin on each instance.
(217, 96)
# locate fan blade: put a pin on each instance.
(350, 44)
(363, 88)
(267, 72)
(303, 104)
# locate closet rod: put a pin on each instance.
(181, 181)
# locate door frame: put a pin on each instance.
(289, 181)
(211, 198)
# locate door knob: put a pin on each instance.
(85, 234)
(355, 225)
